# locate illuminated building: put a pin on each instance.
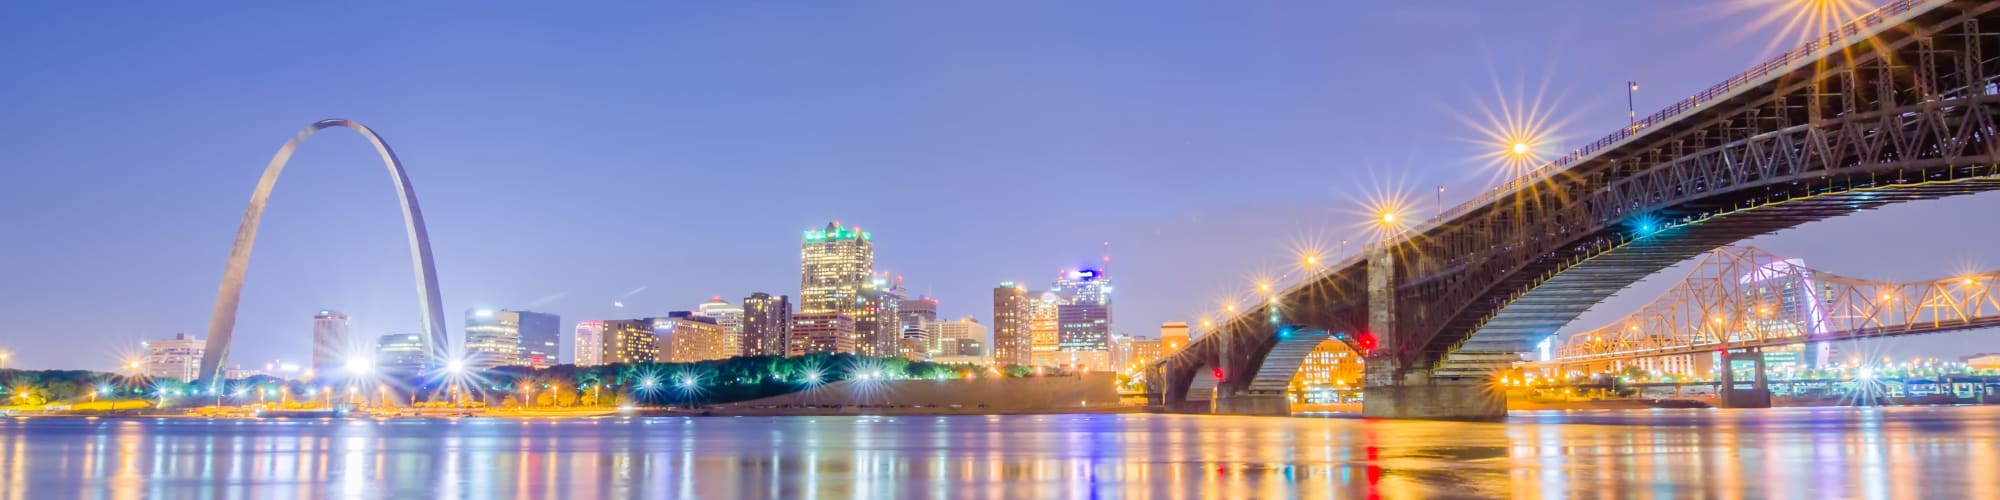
(828, 332)
(835, 264)
(920, 310)
(1128, 353)
(1043, 335)
(401, 353)
(1011, 325)
(878, 329)
(178, 357)
(1330, 370)
(1173, 336)
(492, 338)
(730, 317)
(918, 342)
(629, 341)
(767, 324)
(589, 343)
(330, 341)
(1982, 362)
(685, 337)
(1083, 318)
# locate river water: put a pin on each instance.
(1933, 452)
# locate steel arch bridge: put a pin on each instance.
(222, 325)
(1746, 298)
(1898, 105)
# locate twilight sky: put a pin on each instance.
(567, 157)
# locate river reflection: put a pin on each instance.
(1782, 453)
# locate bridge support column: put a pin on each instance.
(1420, 396)
(1758, 395)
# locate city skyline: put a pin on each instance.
(1257, 176)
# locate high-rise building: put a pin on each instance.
(1132, 353)
(178, 357)
(730, 317)
(401, 354)
(835, 264)
(917, 311)
(1083, 317)
(1011, 325)
(878, 328)
(828, 332)
(1173, 336)
(492, 338)
(686, 337)
(589, 350)
(541, 338)
(629, 341)
(1044, 332)
(767, 325)
(918, 342)
(330, 341)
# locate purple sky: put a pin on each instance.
(566, 157)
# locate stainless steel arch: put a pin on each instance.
(222, 324)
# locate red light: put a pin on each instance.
(1365, 340)
(1218, 374)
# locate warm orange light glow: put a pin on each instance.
(1520, 148)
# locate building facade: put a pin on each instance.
(589, 350)
(629, 341)
(878, 325)
(492, 338)
(964, 337)
(1044, 332)
(331, 343)
(767, 325)
(541, 338)
(730, 318)
(835, 264)
(178, 357)
(686, 337)
(1012, 308)
(401, 354)
(822, 332)
(1173, 337)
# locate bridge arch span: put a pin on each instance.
(222, 323)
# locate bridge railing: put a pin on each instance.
(1805, 52)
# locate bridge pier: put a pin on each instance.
(1254, 403)
(1424, 397)
(1758, 395)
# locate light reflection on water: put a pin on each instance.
(1784, 453)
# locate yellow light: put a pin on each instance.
(1312, 260)
(1230, 307)
(1388, 217)
(1520, 148)
(1264, 287)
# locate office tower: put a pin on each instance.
(400, 354)
(629, 341)
(1173, 336)
(686, 337)
(178, 357)
(589, 350)
(541, 338)
(917, 311)
(767, 325)
(1011, 325)
(1044, 332)
(828, 332)
(330, 341)
(918, 342)
(492, 338)
(1083, 318)
(878, 326)
(835, 264)
(730, 317)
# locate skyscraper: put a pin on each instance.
(330, 341)
(178, 357)
(730, 318)
(629, 341)
(964, 337)
(828, 332)
(492, 338)
(878, 327)
(767, 325)
(1044, 332)
(1083, 318)
(835, 264)
(541, 338)
(918, 311)
(1011, 325)
(589, 350)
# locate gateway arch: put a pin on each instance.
(222, 324)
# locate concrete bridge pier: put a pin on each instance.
(1390, 390)
(1254, 403)
(1728, 395)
